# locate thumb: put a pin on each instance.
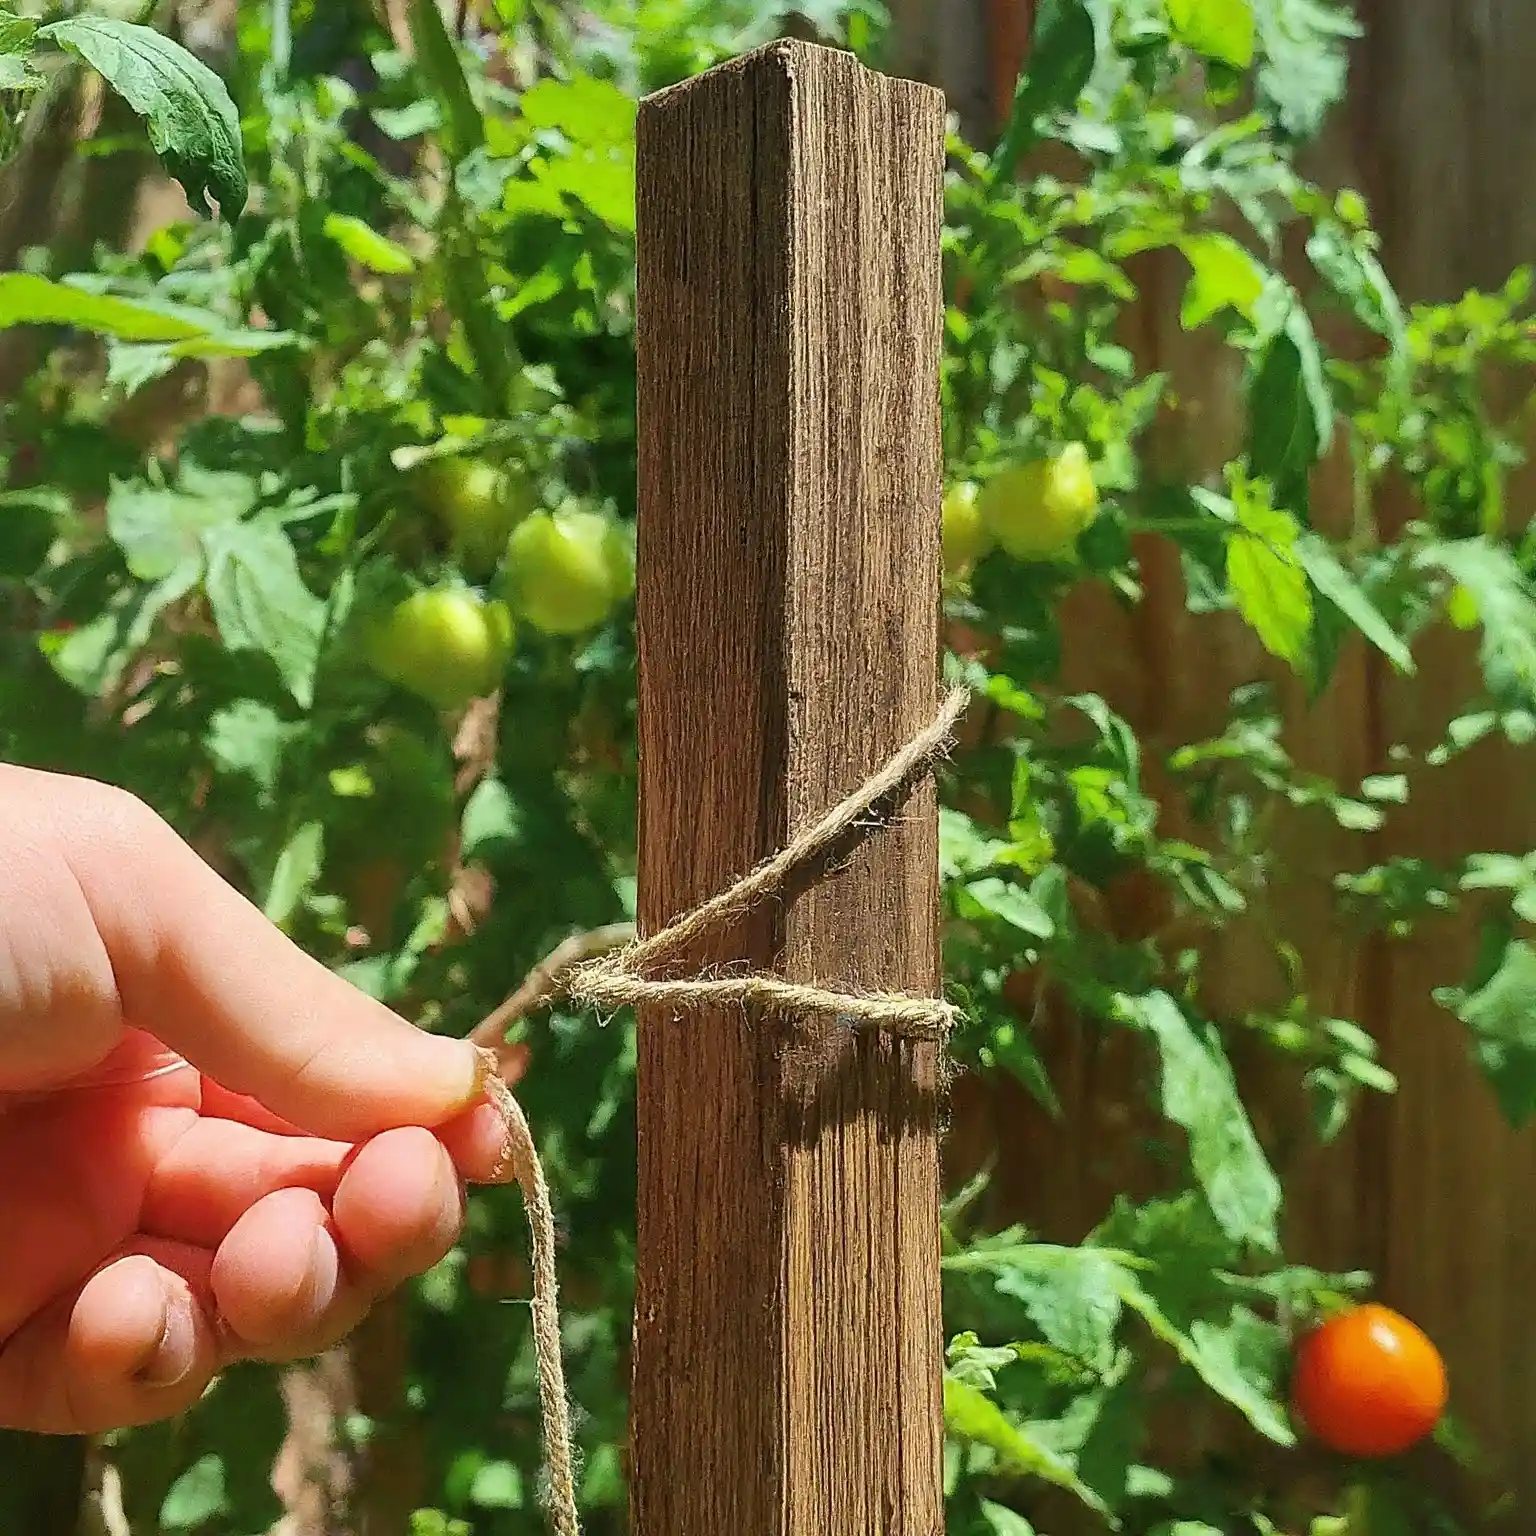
(202, 969)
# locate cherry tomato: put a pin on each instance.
(966, 537)
(1368, 1383)
(1036, 511)
(565, 571)
(477, 505)
(445, 644)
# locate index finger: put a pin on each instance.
(201, 968)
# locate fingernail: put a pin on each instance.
(176, 1353)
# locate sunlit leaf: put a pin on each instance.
(192, 122)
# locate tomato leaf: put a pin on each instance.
(586, 110)
(1013, 905)
(197, 1496)
(1200, 1094)
(972, 1415)
(1340, 588)
(1502, 1017)
(1305, 47)
(1223, 276)
(1268, 581)
(367, 247)
(1505, 606)
(260, 602)
(1072, 1296)
(297, 868)
(1290, 408)
(1062, 54)
(192, 121)
(1216, 29)
(159, 527)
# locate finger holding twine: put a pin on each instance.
(626, 978)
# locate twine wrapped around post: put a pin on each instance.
(628, 977)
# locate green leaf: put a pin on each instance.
(1502, 1017)
(1348, 264)
(192, 121)
(1014, 906)
(160, 527)
(974, 1416)
(604, 182)
(1224, 276)
(295, 873)
(197, 1496)
(1239, 1360)
(497, 1485)
(1290, 409)
(1505, 606)
(1200, 1094)
(367, 247)
(1002, 1521)
(1216, 29)
(1341, 589)
(27, 299)
(1072, 1295)
(260, 602)
(1062, 54)
(17, 34)
(492, 820)
(93, 657)
(586, 110)
(248, 738)
(1305, 44)
(1266, 576)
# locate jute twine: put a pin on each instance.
(628, 977)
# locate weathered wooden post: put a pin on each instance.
(788, 1349)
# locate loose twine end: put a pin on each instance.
(629, 977)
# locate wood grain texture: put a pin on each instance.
(788, 1346)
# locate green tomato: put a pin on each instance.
(445, 644)
(477, 505)
(966, 537)
(1036, 511)
(566, 571)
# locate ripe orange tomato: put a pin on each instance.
(1368, 1383)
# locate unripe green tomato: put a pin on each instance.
(966, 537)
(447, 645)
(1036, 511)
(565, 571)
(619, 555)
(477, 506)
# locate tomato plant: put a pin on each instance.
(366, 638)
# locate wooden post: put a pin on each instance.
(788, 1344)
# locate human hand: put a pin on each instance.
(211, 1147)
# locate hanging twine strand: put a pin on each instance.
(554, 1403)
(626, 977)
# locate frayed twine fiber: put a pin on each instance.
(627, 977)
